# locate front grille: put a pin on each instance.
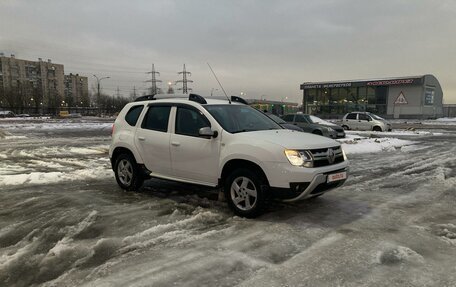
(320, 156)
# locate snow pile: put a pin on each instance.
(410, 132)
(399, 254)
(446, 120)
(46, 126)
(357, 145)
(55, 176)
(441, 121)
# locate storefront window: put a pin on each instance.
(371, 98)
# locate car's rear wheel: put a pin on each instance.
(377, 129)
(245, 192)
(128, 174)
(345, 127)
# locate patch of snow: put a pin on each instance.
(396, 133)
(373, 145)
(36, 178)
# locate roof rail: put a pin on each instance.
(145, 98)
(197, 98)
(239, 100)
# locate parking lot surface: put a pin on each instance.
(65, 222)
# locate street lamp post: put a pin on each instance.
(98, 90)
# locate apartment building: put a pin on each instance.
(30, 84)
(76, 90)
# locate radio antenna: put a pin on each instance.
(215, 76)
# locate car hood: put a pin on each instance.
(288, 139)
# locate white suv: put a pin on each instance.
(222, 143)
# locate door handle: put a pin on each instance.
(175, 143)
(141, 138)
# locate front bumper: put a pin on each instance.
(303, 190)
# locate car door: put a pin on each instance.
(351, 121)
(364, 122)
(152, 139)
(194, 158)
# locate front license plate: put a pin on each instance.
(337, 176)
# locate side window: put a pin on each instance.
(157, 118)
(363, 117)
(133, 114)
(300, 119)
(351, 116)
(189, 122)
(288, 118)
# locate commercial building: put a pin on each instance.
(401, 97)
(274, 107)
(76, 90)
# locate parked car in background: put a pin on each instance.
(315, 125)
(365, 121)
(7, 114)
(284, 123)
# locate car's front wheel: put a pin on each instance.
(245, 192)
(128, 174)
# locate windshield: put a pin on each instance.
(317, 120)
(241, 118)
(276, 119)
(376, 117)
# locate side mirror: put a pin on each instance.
(207, 132)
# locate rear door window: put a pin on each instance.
(351, 116)
(133, 114)
(157, 118)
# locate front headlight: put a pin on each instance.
(299, 158)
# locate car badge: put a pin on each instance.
(331, 156)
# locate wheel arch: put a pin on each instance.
(377, 128)
(118, 151)
(234, 164)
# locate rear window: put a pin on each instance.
(133, 114)
(351, 116)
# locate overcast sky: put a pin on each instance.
(258, 47)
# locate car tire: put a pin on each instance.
(345, 127)
(128, 175)
(317, 132)
(377, 129)
(246, 192)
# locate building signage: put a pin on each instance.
(372, 83)
(401, 100)
(429, 97)
(325, 86)
(390, 82)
